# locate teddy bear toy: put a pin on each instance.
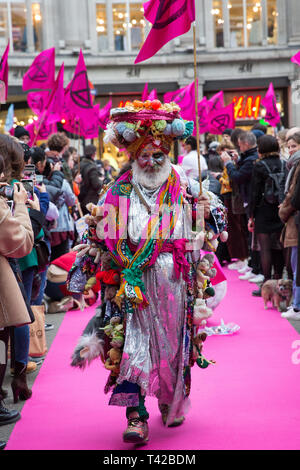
(201, 313)
(113, 326)
(113, 361)
(205, 272)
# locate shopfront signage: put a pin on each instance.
(247, 107)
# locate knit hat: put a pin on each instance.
(137, 124)
(20, 132)
(227, 132)
(258, 133)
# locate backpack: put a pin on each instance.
(274, 184)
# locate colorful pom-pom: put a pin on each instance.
(168, 129)
(160, 125)
(156, 104)
(121, 127)
(189, 127)
(178, 127)
(129, 135)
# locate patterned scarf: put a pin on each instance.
(156, 234)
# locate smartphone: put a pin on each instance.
(10, 205)
(29, 186)
(29, 172)
(39, 179)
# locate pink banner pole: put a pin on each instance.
(196, 108)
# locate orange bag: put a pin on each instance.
(38, 345)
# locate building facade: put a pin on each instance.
(242, 45)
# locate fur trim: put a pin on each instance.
(95, 349)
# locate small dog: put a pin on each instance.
(278, 292)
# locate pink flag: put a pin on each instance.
(185, 98)
(221, 120)
(216, 102)
(152, 95)
(37, 101)
(89, 129)
(55, 104)
(41, 74)
(296, 58)
(170, 18)
(40, 131)
(145, 93)
(203, 117)
(270, 103)
(104, 115)
(78, 98)
(4, 71)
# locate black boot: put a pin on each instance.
(8, 416)
(19, 383)
(2, 445)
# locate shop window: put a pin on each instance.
(14, 25)
(272, 22)
(236, 16)
(37, 26)
(120, 20)
(137, 25)
(254, 23)
(19, 30)
(101, 27)
(245, 23)
(3, 26)
(217, 13)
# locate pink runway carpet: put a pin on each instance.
(249, 400)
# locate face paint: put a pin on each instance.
(151, 159)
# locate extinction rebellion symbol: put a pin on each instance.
(221, 122)
(81, 96)
(39, 73)
(164, 7)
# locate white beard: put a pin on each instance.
(151, 180)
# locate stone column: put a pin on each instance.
(282, 22)
(91, 4)
(209, 25)
(110, 25)
(74, 21)
(293, 7)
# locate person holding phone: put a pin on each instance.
(13, 155)
(237, 243)
(16, 239)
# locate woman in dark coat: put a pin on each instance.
(263, 214)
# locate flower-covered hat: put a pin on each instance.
(137, 124)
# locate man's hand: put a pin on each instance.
(41, 188)
(20, 194)
(35, 204)
(204, 204)
(225, 157)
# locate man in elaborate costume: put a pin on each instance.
(145, 331)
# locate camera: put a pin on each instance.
(7, 192)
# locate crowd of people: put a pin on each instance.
(254, 174)
(38, 228)
(257, 176)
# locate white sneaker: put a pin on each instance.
(290, 314)
(245, 269)
(257, 279)
(247, 276)
(237, 265)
